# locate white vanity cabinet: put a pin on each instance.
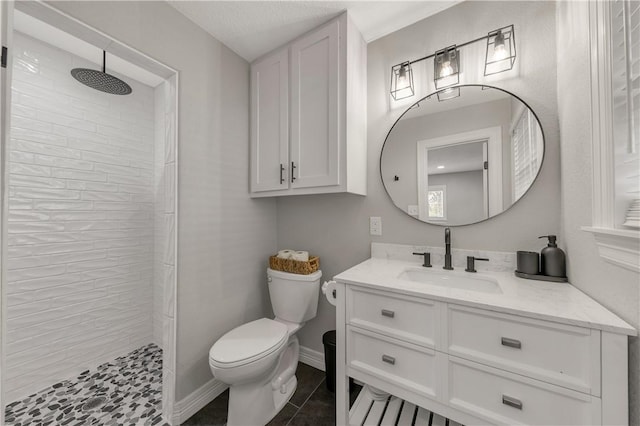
(308, 114)
(477, 365)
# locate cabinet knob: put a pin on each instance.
(388, 359)
(512, 402)
(512, 343)
(388, 313)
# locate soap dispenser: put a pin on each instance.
(552, 259)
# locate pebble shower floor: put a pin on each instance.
(126, 391)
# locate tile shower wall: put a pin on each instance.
(81, 221)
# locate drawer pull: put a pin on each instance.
(388, 313)
(388, 359)
(512, 402)
(512, 343)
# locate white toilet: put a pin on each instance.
(258, 360)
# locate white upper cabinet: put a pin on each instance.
(270, 122)
(308, 119)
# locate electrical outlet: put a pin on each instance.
(412, 209)
(375, 225)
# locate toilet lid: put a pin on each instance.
(249, 341)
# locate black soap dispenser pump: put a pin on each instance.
(552, 259)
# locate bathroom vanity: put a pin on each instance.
(477, 348)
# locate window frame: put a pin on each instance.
(620, 247)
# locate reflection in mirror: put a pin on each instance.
(462, 160)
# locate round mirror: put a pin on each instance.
(462, 155)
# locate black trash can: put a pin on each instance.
(329, 342)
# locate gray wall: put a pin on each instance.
(336, 227)
(464, 197)
(615, 287)
(223, 235)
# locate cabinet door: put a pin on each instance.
(315, 111)
(270, 123)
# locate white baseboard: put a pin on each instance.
(197, 400)
(313, 358)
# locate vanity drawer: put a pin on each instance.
(506, 398)
(394, 315)
(560, 354)
(404, 364)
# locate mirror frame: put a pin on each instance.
(544, 151)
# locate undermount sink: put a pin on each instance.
(450, 279)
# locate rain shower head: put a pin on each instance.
(100, 80)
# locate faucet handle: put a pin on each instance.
(427, 259)
(471, 266)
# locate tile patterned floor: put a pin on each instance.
(131, 386)
(311, 405)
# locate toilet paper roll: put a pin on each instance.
(285, 254)
(302, 256)
(329, 290)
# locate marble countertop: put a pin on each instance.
(557, 302)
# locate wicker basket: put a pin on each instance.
(295, 266)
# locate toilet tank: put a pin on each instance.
(294, 297)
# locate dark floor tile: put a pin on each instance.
(283, 417)
(213, 414)
(319, 410)
(308, 380)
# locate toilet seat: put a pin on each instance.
(248, 343)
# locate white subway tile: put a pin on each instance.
(92, 186)
(65, 163)
(105, 196)
(90, 265)
(45, 193)
(90, 225)
(34, 136)
(23, 111)
(26, 216)
(35, 182)
(29, 169)
(81, 134)
(30, 124)
(84, 145)
(76, 256)
(130, 180)
(43, 249)
(77, 215)
(117, 170)
(20, 204)
(105, 158)
(63, 205)
(43, 238)
(21, 157)
(62, 291)
(31, 273)
(40, 148)
(26, 262)
(33, 227)
(79, 175)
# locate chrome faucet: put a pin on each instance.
(447, 249)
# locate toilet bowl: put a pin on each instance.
(258, 359)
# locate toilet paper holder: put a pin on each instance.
(329, 291)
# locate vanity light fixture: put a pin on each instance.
(500, 56)
(501, 50)
(446, 67)
(402, 81)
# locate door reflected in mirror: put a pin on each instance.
(462, 160)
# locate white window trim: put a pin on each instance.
(618, 246)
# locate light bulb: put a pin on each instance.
(402, 77)
(499, 51)
(446, 69)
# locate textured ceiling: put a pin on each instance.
(253, 28)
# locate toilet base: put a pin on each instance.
(256, 406)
